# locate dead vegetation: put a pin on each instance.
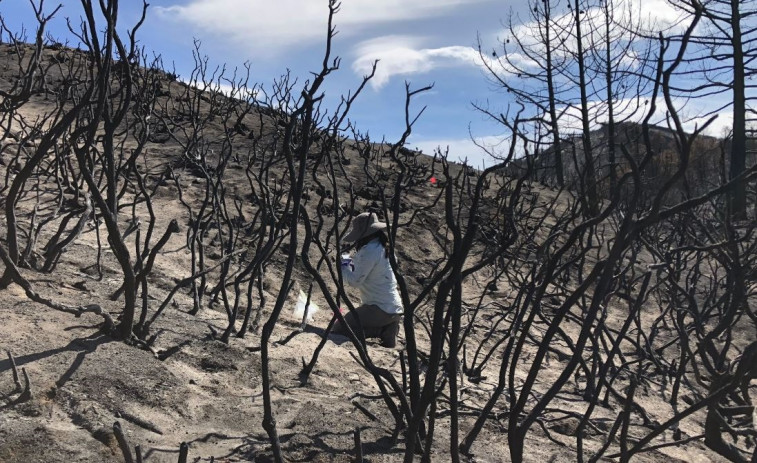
(538, 324)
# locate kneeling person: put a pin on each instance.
(371, 273)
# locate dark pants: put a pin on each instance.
(375, 322)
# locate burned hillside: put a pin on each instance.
(157, 233)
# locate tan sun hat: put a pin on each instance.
(364, 225)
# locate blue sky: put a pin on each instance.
(420, 41)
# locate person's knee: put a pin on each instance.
(389, 334)
(349, 321)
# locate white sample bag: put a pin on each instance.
(300, 308)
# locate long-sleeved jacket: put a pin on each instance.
(371, 273)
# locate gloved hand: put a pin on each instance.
(347, 262)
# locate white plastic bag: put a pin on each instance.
(299, 309)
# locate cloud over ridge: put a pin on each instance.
(281, 24)
(405, 55)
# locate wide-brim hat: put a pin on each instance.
(364, 225)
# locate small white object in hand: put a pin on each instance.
(347, 261)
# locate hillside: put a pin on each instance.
(708, 161)
(229, 208)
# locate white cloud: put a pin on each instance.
(649, 16)
(272, 26)
(403, 55)
(499, 145)
(239, 90)
(692, 112)
(720, 127)
(460, 149)
(655, 14)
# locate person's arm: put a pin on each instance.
(362, 263)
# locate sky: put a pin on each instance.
(419, 42)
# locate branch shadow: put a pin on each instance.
(321, 332)
(207, 437)
(382, 446)
(82, 346)
(257, 447)
(246, 451)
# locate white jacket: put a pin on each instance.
(371, 273)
